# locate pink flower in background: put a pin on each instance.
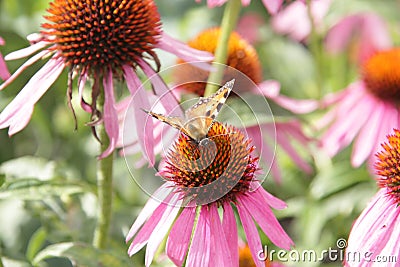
(363, 34)
(368, 108)
(376, 232)
(4, 74)
(212, 186)
(101, 51)
(271, 5)
(294, 19)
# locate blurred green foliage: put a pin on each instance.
(47, 171)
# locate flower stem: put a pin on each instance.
(229, 21)
(104, 187)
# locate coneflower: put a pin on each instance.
(103, 40)
(202, 182)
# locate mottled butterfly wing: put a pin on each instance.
(199, 118)
(173, 121)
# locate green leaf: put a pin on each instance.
(339, 177)
(33, 189)
(36, 243)
(82, 254)
(2, 179)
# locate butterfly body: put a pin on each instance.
(199, 118)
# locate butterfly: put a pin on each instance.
(199, 118)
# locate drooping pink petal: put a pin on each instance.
(179, 237)
(272, 5)
(4, 73)
(271, 90)
(24, 66)
(182, 50)
(200, 250)
(372, 35)
(368, 135)
(144, 124)
(159, 195)
(229, 227)
(218, 241)
(110, 116)
(346, 126)
(272, 201)
(17, 114)
(284, 141)
(167, 98)
(81, 86)
(250, 229)
(162, 229)
(142, 237)
(265, 218)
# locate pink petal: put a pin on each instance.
(2, 42)
(373, 34)
(110, 116)
(272, 5)
(296, 105)
(266, 219)
(231, 234)
(162, 229)
(144, 125)
(200, 250)
(218, 241)
(368, 135)
(160, 194)
(249, 25)
(27, 51)
(4, 73)
(179, 237)
(374, 228)
(293, 20)
(145, 232)
(284, 142)
(81, 87)
(271, 200)
(17, 114)
(167, 98)
(250, 229)
(182, 50)
(23, 67)
(270, 88)
(215, 3)
(346, 126)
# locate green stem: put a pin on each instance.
(104, 187)
(229, 21)
(1, 262)
(316, 50)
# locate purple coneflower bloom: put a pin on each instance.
(368, 108)
(201, 183)
(4, 74)
(101, 40)
(374, 238)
